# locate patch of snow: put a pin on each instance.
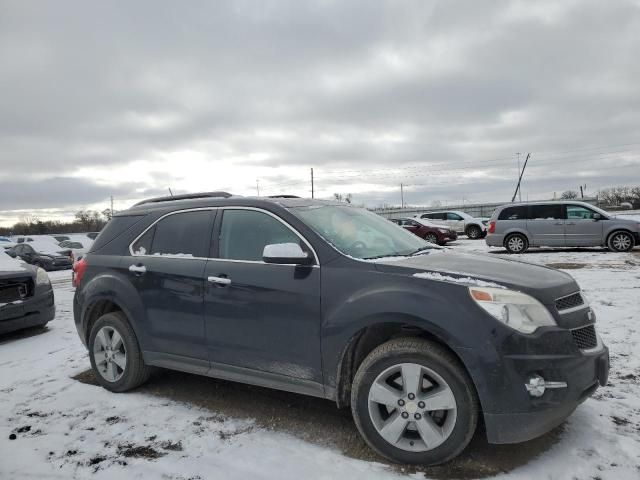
(470, 281)
(10, 264)
(46, 247)
(179, 255)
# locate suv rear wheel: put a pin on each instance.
(474, 232)
(115, 355)
(621, 242)
(516, 243)
(413, 402)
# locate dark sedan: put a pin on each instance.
(432, 233)
(26, 297)
(43, 254)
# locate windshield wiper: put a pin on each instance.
(420, 250)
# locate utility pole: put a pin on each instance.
(519, 191)
(520, 178)
(312, 191)
(401, 196)
(258, 186)
(581, 192)
(111, 206)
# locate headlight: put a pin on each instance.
(41, 277)
(515, 309)
(443, 230)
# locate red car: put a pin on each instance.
(432, 233)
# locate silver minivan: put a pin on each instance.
(518, 226)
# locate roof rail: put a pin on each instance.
(186, 196)
(284, 196)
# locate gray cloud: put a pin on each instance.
(359, 86)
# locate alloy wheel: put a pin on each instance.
(516, 244)
(621, 242)
(412, 407)
(431, 238)
(110, 354)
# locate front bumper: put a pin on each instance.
(582, 375)
(501, 370)
(30, 312)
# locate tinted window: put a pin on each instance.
(114, 228)
(545, 212)
(453, 216)
(245, 233)
(576, 212)
(178, 234)
(514, 213)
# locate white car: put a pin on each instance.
(461, 222)
(79, 246)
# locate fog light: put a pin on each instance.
(536, 385)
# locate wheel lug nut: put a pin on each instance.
(417, 416)
(411, 396)
(405, 415)
(421, 404)
(401, 402)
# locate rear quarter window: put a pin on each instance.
(114, 228)
(514, 213)
(181, 234)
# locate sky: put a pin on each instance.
(129, 99)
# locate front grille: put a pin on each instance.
(10, 291)
(572, 301)
(585, 337)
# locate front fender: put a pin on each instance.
(442, 309)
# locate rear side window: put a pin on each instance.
(545, 212)
(183, 234)
(245, 233)
(514, 213)
(113, 229)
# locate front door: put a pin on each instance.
(261, 316)
(545, 225)
(582, 230)
(167, 269)
(455, 221)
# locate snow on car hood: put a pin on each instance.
(464, 268)
(10, 265)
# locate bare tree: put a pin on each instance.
(569, 195)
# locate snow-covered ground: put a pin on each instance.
(68, 429)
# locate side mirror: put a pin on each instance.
(286, 253)
(597, 216)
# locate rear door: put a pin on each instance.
(167, 268)
(261, 316)
(546, 225)
(455, 221)
(581, 229)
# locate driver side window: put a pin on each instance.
(577, 212)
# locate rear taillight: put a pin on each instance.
(78, 271)
(492, 227)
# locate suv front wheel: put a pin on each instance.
(474, 232)
(115, 355)
(413, 402)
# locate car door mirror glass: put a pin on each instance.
(286, 253)
(597, 216)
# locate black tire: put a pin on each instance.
(621, 241)
(474, 232)
(431, 238)
(135, 372)
(431, 356)
(516, 243)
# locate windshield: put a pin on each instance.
(359, 233)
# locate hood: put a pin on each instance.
(11, 267)
(544, 283)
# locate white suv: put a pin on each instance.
(461, 222)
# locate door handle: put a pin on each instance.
(219, 280)
(138, 269)
(561, 223)
(570, 223)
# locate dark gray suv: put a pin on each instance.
(330, 300)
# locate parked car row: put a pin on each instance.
(50, 252)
